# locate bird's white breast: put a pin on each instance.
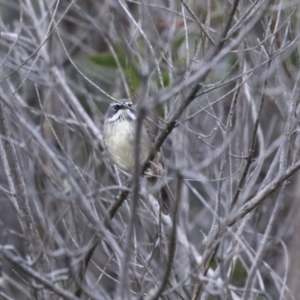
(119, 142)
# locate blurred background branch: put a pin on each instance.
(218, 83)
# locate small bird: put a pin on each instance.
(118, 137)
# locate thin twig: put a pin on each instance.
(34, 243)
(172, 245)
(122, 292)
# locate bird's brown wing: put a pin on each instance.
(149, 131)
(156, 170)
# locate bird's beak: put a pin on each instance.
(124, 107)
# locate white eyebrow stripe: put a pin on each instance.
(115, 117)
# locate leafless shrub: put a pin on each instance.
(218, 81)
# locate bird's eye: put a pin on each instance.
(116, 107)
(129, 104)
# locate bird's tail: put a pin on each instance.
(165, 202)
(163, 196)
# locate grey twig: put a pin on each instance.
(173, 240)
(34, 243)
(38, 277)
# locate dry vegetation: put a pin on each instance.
(219, 81)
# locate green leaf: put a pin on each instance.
(107, 60)
(134, 81)
(239, 275)
(165, 79)
(179, 42)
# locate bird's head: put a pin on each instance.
(121, 110)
